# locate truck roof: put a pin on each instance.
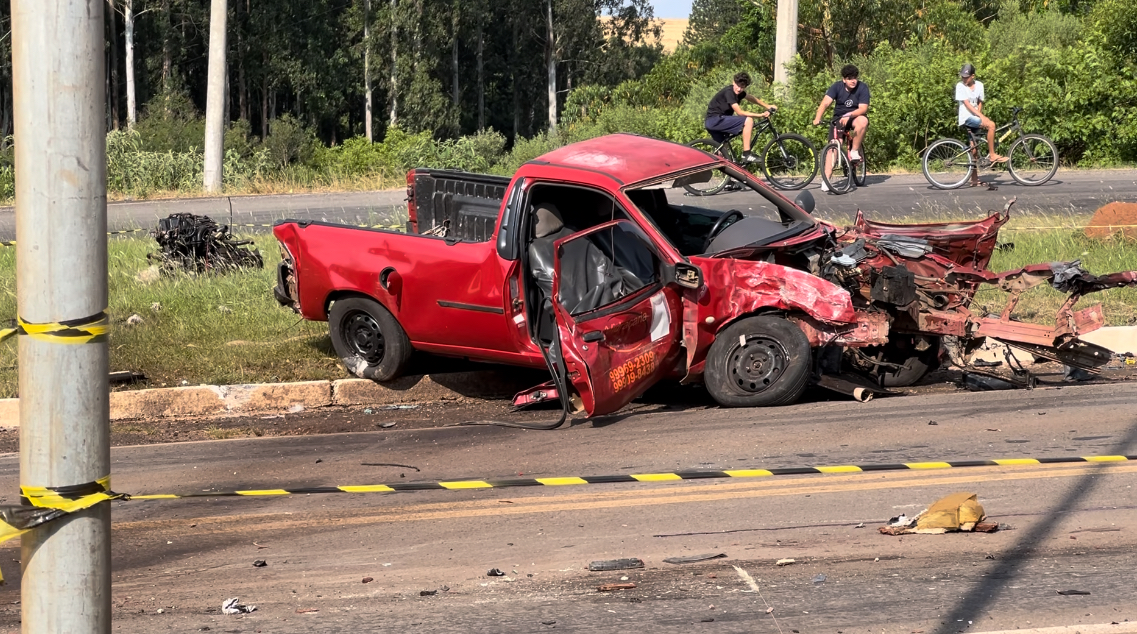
(628, 158)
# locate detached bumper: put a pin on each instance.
(870, 329)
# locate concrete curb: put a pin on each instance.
(236, 400)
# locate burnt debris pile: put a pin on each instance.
(197, 244)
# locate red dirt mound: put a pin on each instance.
(1114, 219)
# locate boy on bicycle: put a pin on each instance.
(726, 116)
(851, 97)
(969, 94)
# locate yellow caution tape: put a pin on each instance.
(47, 504)
(91, 329)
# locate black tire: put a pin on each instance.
(861, 170)
(772, 367)
(901, 350)
(947, 164)
(1032, 160)
(719, 178)
(368, 339)
(789, 162)
(840, 180)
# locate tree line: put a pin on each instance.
(449, 67)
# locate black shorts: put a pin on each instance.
(836, 127)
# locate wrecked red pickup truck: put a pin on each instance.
(586, 263)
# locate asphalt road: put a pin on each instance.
(1077, 192)
(1072, 527)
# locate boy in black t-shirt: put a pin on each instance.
(726, 116)
(851, 97)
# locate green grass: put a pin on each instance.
(1033, 246)
(192, 340)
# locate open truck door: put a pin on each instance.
(618, 317)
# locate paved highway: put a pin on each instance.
(1071, 527)
(885, 197)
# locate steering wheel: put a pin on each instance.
(723, 222)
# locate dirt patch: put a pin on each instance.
(1116, 218)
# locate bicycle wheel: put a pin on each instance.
(1033, 160)
(717, 177)
(861, 169)
(947, 164)
(789, 162)
(840, 178)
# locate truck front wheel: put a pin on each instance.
(758, 361)
(368, 339)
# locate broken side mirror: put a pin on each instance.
(688, 276)
(805, 201)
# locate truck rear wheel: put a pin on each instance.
(368, 339)
(758, 361)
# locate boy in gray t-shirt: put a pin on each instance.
(969, 94)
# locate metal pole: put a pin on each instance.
(785, 45)
(215, 97)
(61, 275)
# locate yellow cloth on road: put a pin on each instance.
(958, 511)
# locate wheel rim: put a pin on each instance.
(790, 164)
(718, 178)
(1032, 160)
(756, 364)
(364, 337)
(947, 165)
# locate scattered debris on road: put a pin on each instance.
(983, 382)
(820, 579)
(260, 563)
(693, 558)
(307, 610)
(786, 562)
(958, 512)
(234, 606)
(126, 376)
(615, 564)
(1068, 593)
(494, 572)
(609, 587)
(388, 464)
(427, 593)
(367, 580)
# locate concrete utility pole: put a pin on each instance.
(215, 97)
(59, 98)
(785, 46)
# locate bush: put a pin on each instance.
(135, 171)
(289, 141)
(170, 123)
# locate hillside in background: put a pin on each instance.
(673, 29)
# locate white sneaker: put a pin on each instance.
(854, 155)
(824, 187)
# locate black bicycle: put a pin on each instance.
(1032, 159)
(839, 172)
(789, 161)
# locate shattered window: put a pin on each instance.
(604, 266)
(691, 221)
